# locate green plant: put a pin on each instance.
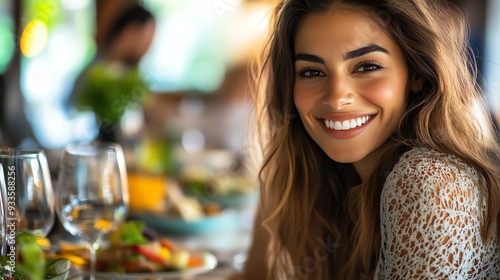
(108, 90)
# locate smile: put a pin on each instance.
(346, 124)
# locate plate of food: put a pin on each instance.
(229, 189)
(136, 252)
(204, 263)
(186, 213)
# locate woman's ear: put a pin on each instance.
(416, 83)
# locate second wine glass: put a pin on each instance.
(92, 194)
(29, 204)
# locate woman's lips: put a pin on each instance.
(345, 127)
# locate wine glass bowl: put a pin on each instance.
(29, 201)
(92, 196)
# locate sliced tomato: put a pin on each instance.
(150, 255)
(167, 243)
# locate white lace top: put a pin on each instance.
(430, 219)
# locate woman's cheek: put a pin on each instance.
(305, 97)
(385, 92)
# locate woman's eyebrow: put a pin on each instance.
(349, 55)
(364, 50)
(309, 57)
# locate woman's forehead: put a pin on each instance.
(342, 29)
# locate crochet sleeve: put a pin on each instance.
(430, 220)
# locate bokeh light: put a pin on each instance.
(6, 41)
(34, 38)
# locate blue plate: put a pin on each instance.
(175, 225)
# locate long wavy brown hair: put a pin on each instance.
(323, 221)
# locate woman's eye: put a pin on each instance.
(311, 73)
(367, 67)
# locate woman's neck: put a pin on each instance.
(367, 165)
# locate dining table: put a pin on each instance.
(228, 245)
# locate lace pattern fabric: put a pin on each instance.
(430, 220)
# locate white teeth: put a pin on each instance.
(347, 124)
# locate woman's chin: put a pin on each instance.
(345, 156)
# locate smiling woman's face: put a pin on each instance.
(351, 83)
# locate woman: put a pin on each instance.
(375, 163)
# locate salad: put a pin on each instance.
(135, 249)
(29, 262)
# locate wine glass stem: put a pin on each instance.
(92, 250)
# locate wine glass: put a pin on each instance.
(29, 198)
(92, 194)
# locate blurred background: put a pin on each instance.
(196, 67)
(182, 130)
(197, 63)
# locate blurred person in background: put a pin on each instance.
(112, 82)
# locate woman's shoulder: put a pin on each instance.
(431, 206)
(426, 165)
(427, 174)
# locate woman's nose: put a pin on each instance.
(338, 93)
